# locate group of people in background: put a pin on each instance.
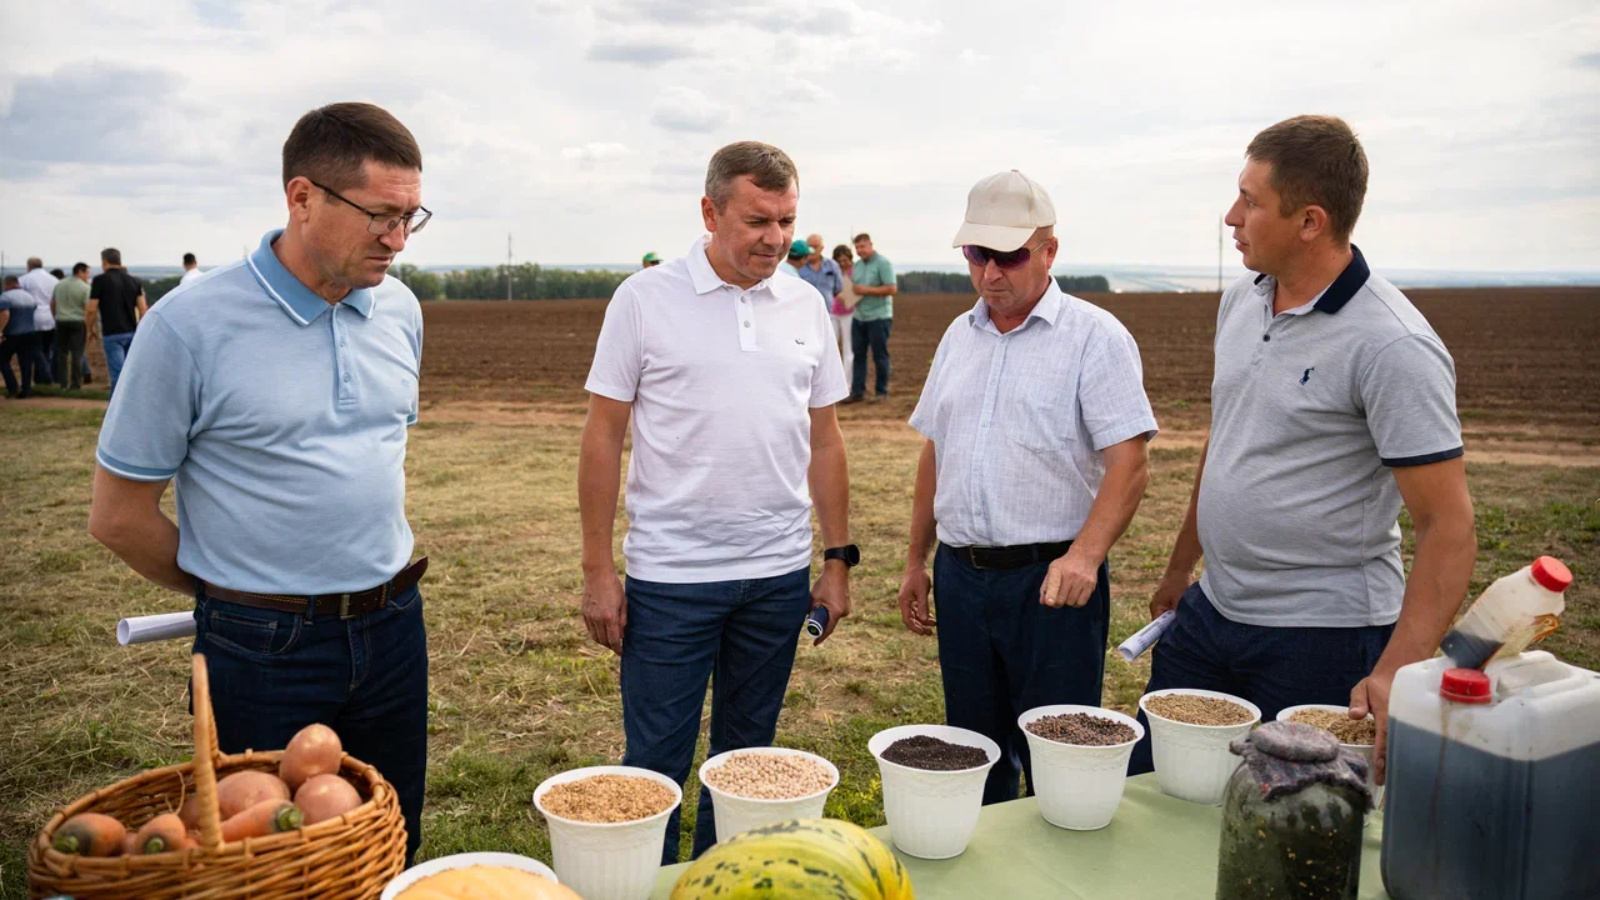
(49, 317)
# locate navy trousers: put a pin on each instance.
(1002, 653)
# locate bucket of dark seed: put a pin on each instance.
(607, 824)
(1190, 730)
(933, 779)
(1080, 762)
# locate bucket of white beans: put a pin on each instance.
(763, 785)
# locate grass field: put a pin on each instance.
(518, 690)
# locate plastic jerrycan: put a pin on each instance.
(1514, 612)
(1493, 786)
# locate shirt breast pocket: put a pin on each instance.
(1043, 418)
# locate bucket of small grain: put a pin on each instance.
(607, 824)
(1190, 730)
(1355, 735)
(764, 785)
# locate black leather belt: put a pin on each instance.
(345, 606)
(1011, 557)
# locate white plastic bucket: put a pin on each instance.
(932, 814)
(463, 861)
(1193, 762)
(608, 861)
(736, 814)
(1078, 787)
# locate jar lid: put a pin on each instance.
(1551, 574)
(1465, 686)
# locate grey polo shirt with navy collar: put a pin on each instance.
(1311, 409)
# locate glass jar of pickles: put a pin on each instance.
(1292, 817)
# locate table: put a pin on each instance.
(1156, 847)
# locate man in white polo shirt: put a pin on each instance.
(730, 376)
(1332, 404)
(1036, 460)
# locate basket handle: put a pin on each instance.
(205, 758)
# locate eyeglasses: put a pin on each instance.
(383, 223)
(1014, 259)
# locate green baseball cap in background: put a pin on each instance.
(651, 257)
(799, 248)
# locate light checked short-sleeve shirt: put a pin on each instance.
(282, 421)
(1019, 420)
(722, 380)
(1311, 409)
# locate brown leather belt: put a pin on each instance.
(345, 606)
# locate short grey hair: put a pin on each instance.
(770, 168)
(35, 262)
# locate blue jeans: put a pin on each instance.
(273, 673)
(741, 634)
(1002, 653)
(1271, 667)
(116, 347)
(872, 335)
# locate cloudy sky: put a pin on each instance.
(585, 128)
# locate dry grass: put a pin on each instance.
(518, 691)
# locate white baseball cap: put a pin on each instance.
(1003, 211)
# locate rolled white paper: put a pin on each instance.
(1146, 637)
(166, 626)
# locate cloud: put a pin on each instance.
(595, 152)
(103, 114)
(686, 109)
(801, 90)
(970, 56)
(646, 54)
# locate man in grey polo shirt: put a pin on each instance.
(1333, 403)
(1036, 459)
(276, 394)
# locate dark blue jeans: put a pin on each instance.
(740, 634)
(1271, 667)
(1002, 653)
(873, 335)
(274, 673)
(116, 347)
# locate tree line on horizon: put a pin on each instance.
(531, 281)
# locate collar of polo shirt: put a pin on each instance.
(1048, 308)
(1336, 295)
(706, 278)
(297, 300)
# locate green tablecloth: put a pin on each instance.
(1156, 847)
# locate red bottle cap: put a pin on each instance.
(1552, 574)
(1465, 686)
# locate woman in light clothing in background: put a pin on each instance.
(843, 306)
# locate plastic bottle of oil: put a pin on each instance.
(1514, 612)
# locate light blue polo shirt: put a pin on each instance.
(281, 419)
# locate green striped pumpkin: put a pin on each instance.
(796, 860)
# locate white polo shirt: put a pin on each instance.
(722, 380)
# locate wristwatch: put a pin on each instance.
(850, 554)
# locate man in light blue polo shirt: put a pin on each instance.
(276, 394)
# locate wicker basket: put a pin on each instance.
(349, 858)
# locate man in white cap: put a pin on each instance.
(1036, 459)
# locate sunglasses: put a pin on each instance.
(1012, 259)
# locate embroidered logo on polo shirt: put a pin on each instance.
(800, 342)
(1307, 376)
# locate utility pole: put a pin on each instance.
(508, 266)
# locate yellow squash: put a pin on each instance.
(796, 860)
